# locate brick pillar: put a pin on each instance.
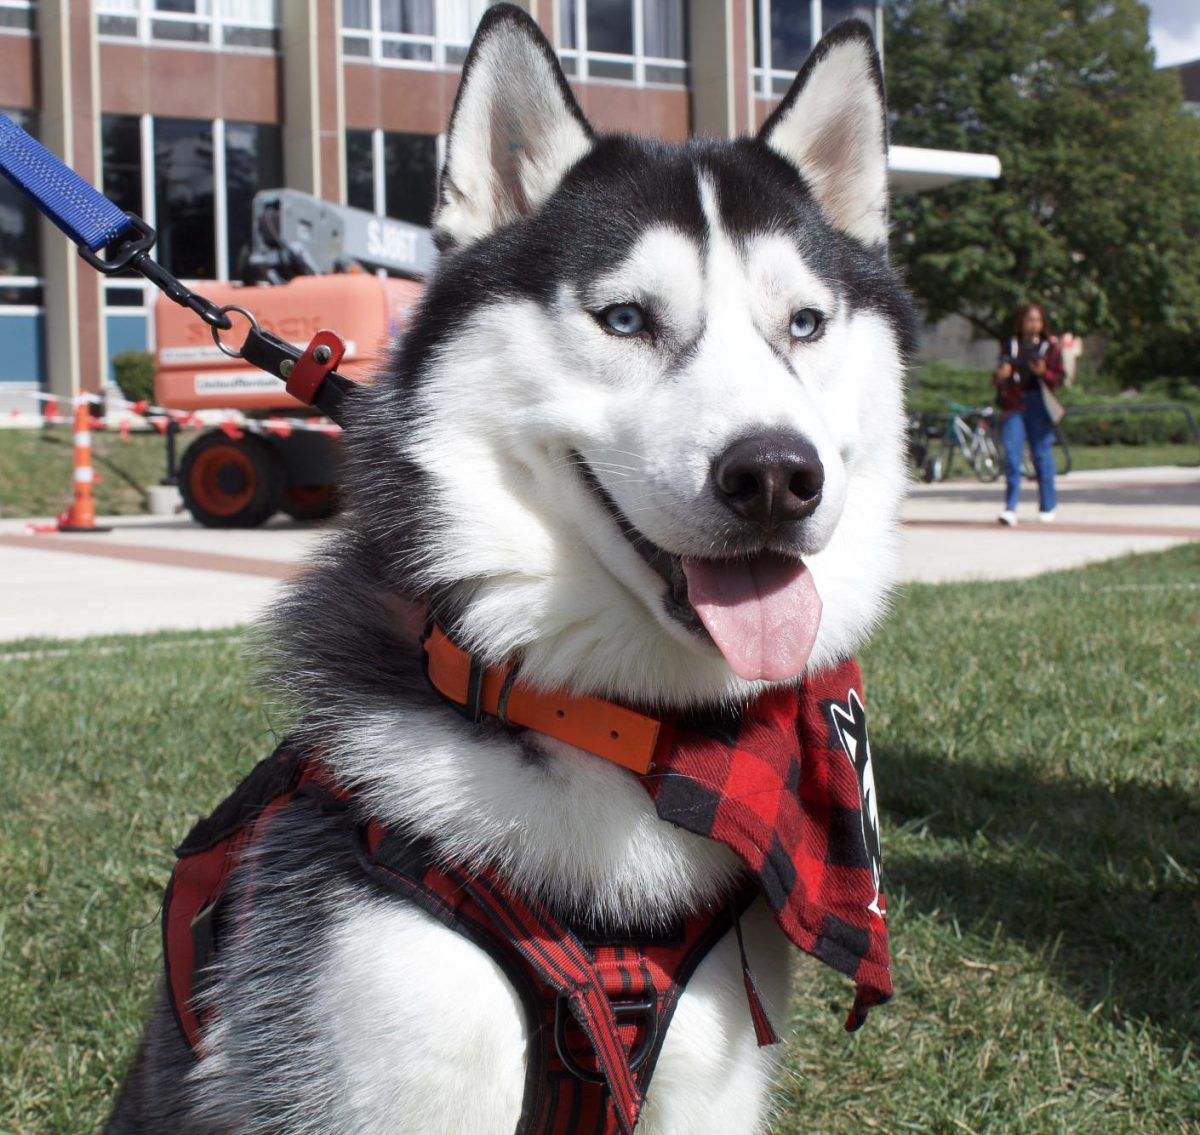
(69, 125)
(314, 158)
(722, 60)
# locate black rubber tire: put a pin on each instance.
(230, 482)
(988, 462)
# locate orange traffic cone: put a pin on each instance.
(81, 516)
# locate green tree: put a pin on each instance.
(1097, 213)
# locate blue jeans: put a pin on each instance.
(1032, 423)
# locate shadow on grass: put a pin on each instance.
(1098, 878)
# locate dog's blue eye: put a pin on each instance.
(806, 323)
(624, 319)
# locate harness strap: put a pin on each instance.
(559, 959)
(206, 860)
(598, 1009)
(598, 1005)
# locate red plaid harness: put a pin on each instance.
(786, 783)
(597, 1007)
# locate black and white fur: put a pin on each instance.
(534, 476)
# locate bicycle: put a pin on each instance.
(966, 430)
(1062, 458)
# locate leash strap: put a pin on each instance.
(84, 214)
(93, 222)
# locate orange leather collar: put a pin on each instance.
(603, 728)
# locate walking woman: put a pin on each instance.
(1029, 361)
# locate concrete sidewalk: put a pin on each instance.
(154, 573)
(952, 531)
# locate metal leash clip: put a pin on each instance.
(133, 255)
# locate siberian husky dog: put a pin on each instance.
(641, 374)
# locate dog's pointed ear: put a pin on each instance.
(832, 127)
(514, 133)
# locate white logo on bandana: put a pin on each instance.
(851, 725)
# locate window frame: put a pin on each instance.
(146, 15)
(149, 214)
(765, 77)
(379, 168)
(577, 60)
(438, 43)
(30, 28)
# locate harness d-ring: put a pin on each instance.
(645, 1009)
(216, 331)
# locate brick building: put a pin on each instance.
(182, 109)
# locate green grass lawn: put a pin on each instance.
(1133, 456)
(1039, 770)
(36, 470)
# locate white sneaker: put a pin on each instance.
(1007, 517)
(1046, 517)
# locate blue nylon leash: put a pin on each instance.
(91, 220)
(85, 215)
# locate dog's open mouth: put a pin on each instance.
(761, 610)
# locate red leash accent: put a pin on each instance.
(322, 355)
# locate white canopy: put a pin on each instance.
(911, 168)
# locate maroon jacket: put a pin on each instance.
(1011, 392)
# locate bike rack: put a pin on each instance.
(931, 423)
(929, 427)
(1117, 408)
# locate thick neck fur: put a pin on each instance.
(574, 830)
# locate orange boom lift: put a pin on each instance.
(314, 265)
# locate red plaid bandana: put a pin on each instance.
(787, 783)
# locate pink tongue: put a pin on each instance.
(762, 613)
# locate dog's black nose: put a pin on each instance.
(770, 478)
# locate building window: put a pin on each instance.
(22, 318)
(360, 170)
(184, 207)
(253, 161)
(410, 33)
(194, 181)
(410, 177)
(17, 16)
(785, 31)
(835, 11)
(250, 24)
(20, 258)
(121, 160)
(393, 175)
(638, 41)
